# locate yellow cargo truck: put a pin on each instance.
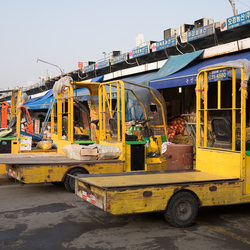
(222, 172)
(41, 166)
(118, 101)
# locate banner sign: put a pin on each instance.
(119, 59)
(88, 68)
(164, 44)
(235, 21)
(139, 52)
(197, 33)
(217, 75)
(102, 64)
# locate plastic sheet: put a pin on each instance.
(241, 63)
(22, 99)
(61, 84)
(104, 152)
(45, 145)
(153, 109)
(164, 147)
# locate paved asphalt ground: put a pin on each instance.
(49, 217)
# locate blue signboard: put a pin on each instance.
(197, 33)
(235, 21)
(167, 43)
(89, 68)
(119, 59)
(102, 64)
(139, 52)
(217, 75)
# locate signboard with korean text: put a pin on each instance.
(167, 43)
(235, 21)
(197, 33)
(102, 64)
(217, 75)
(88, 68)
(80, 65)
(139, 52)
(119, 59)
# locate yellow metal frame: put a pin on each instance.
(68, 95)
(220, 161)
(15, 100)
(103, 99)
(105, 105)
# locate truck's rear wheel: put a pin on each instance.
(182, 209)
(69, 182)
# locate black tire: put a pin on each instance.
(57, 183)
(69, 182)
(182, 209)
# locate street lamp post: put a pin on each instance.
(233, 7)
(39, 60)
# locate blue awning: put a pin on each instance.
(139, 79)
(41, 98)
(187, 76)
(97, 79)
(45, 101)
(176, 63)
(39, 104)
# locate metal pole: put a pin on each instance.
(233, 7)
(39, 60)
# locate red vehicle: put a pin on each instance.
(25, 119)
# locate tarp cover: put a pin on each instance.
(44, 101)
(187, 76)
(176, 63)
(172, 65)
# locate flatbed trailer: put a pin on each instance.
(53, 167)
(130, 193)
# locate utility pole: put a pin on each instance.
(233, 7)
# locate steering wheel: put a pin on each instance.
(94, 122)
(141, 122)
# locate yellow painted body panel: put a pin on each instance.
(140, 194)
(219, 162)
(2, 169)
(247, 177)
(61, 143)
(15, 146)
(44, 173)
(156, 198)
(157, 166)
(99, 197)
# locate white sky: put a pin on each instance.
(64, 32)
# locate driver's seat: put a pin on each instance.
(222, 129)
(114, 133)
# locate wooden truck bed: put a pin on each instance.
(138, 179)
(150, 191)
(39, 159)
(40, 168)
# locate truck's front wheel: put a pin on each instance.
(69, 182)
(182, 209)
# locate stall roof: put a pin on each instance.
(45, 101)
(139, 79)
(187, 76)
